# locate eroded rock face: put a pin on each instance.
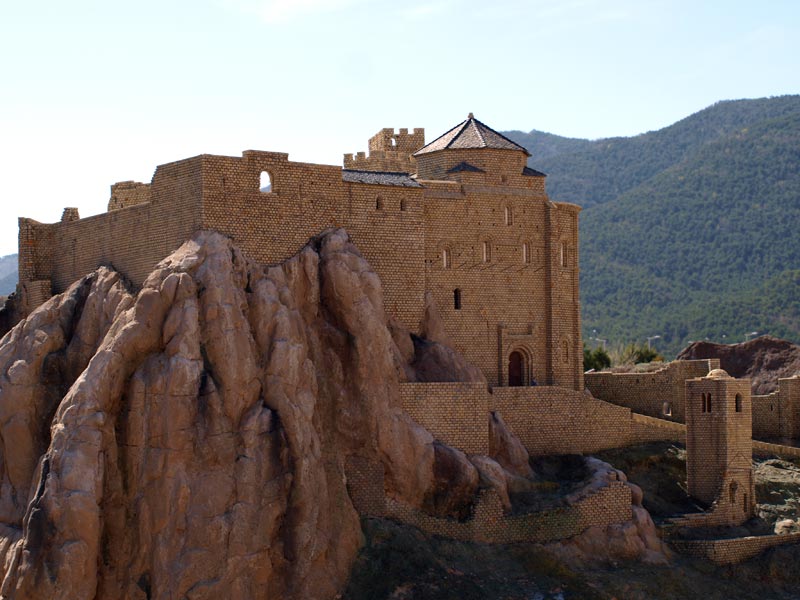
(763, 360)
(191, 441)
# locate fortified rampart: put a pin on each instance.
(500, 258)
(487, 521)
(659, 394)
(777, 415)
(548, 420)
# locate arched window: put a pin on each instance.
(445, 258)
(378, 203)
(526, 253)
(738, 403)
(403, 204)
(457, 299)
(667, 409)
(733, 487)
(508, 215)
(265, 183)
(486, 252)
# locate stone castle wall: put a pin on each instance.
(547, 419)
(132, 239)
(519, 295)
(389, 152)
(653, 394)
(128, 193)
(487, 522)
(735, 550)
(513, 257)
(777, 415)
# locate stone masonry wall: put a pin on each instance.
(777, 415)
(488, 524)
(455, 413)
(389, 152)
(512, 253)
(552, 420)
(134, 239)
(306, 199)
(500, 249)
(732, 551)
(128, 193)
(648, 393)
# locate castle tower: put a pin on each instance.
(719, 464)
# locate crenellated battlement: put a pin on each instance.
(128, 193)
(389, 151)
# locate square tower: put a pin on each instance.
(719, 444)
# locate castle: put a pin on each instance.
(464, 222)
(462, 217)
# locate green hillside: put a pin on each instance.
(689, 232)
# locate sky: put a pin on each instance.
(98, 91)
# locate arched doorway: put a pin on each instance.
(516, 369)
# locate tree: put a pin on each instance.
(597, 359)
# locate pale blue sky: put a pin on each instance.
(98, 91)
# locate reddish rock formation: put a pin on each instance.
(190, 441)
(763, 360)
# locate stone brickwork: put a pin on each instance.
(719, 446)
(500, 258)
(732, 551)
(547, 419)
(365, 486)
(455, 413)
(660, 394)
(646, 429)
(128, 193)
(777, 415)
(488, 523)
(389, 152)
(552, 420)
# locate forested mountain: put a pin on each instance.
(690, 232)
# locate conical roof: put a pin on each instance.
(470, 134)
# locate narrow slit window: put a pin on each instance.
(457, 299)
(509, 216)
(486, 250)
(403, 204)
(526, 253)
(445, 258)
(378, 203)
(738, 403)
(562, 254)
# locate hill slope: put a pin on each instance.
(8, 274)
(688, 232)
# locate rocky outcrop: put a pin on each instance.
(763, 360)
(636, 539)
(190, 441)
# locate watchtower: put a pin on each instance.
(719, 444)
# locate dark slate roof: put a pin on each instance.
(471, 134)
(533, 172)
(379, 178)
(465, 166)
